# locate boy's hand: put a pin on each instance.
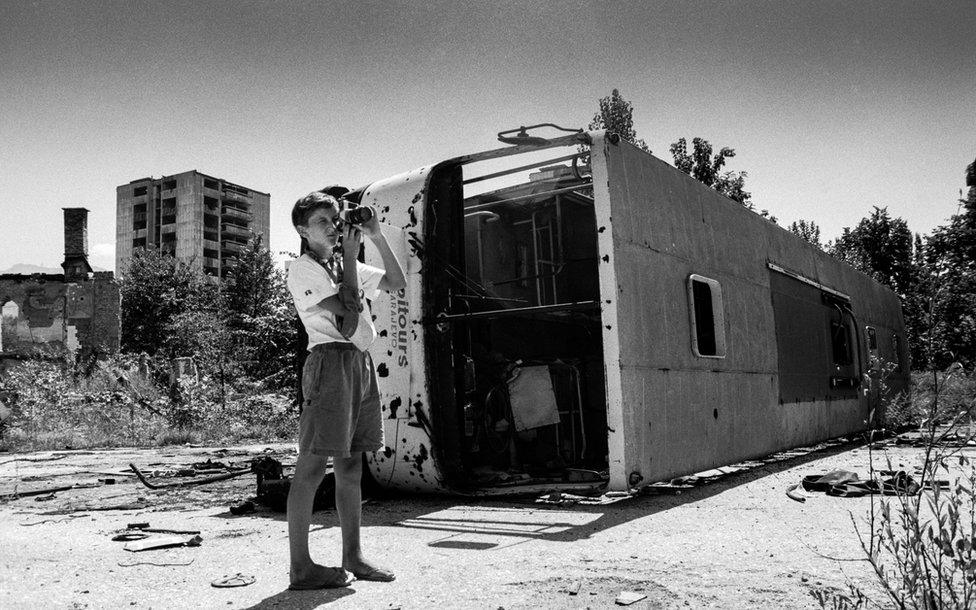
(372, 226)
(351, 238)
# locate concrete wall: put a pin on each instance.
(682, 413)
(189, 218)
(82, 316)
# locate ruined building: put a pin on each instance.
(47, 313)
(201, 220)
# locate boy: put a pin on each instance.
(341, 413)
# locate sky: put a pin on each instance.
(832, 107)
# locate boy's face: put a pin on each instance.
(321, 232)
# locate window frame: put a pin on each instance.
(718, 316)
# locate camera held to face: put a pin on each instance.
(356, 215)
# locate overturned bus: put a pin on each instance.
(579, 313)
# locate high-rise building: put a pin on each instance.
(201, 220)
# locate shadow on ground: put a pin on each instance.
(301, 600)
(477, 524)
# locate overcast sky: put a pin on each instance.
(832, 107)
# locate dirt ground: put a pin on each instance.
(735, 541)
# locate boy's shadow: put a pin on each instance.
(302, 600)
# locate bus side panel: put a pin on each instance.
(680, 412)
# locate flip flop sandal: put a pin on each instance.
(237, 580)
(327, 584)
(375, 575)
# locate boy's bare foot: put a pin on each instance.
(363, 570)
(316, 576)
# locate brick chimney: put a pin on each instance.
(75, 263)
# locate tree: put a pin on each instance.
(950, 261)
(617, 115)
(706, 168)
(880, 246)
(258, 312)
(701, 164)
(915, 308)
(807, 231)
(155, 289)
(199, 334)
(255, 285)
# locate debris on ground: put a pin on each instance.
(846, 484)
(191, 472)
(793, 494)
(154, 563)
(36, 492)
(273, 486)
(162, 542)
(144, 527)
(565, 500)
(627, 598)
(243, 508)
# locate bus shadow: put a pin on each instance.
(489, 524)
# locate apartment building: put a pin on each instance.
(201, 220)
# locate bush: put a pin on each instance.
(127, 401)
(922, 547)
(54, 407)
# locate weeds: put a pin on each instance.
(922, 547)
(127, 401)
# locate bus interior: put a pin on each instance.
(525, 327)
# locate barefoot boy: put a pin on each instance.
(341, 413)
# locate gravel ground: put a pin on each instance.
(732, 542)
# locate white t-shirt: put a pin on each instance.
(309, 284)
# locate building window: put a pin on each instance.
(138, 216)
(210, 203)
(707, 317)
(210, 221)
(169, 185)
(139, 242)
(210, 236)
(168, 211)
(139, 191)
(210, 184)
(167, 243)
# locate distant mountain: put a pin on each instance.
(27, 269)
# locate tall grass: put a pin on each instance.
(125, 401)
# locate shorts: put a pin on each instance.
(341, 413)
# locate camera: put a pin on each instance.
(356, 215)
